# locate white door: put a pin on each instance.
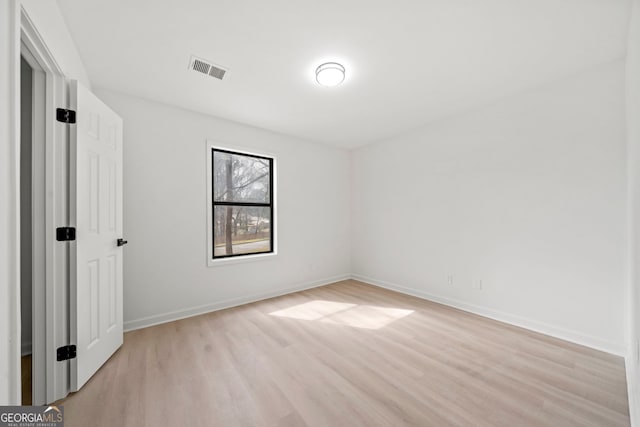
(96, 256)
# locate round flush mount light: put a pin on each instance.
(330, 74)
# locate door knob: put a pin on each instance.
(122, 242)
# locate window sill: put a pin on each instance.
(240, 259)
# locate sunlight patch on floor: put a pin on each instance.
(339, 313)
(312, 310)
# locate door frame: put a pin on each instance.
(38, 221)
(50, 292)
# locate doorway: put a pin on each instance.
(32, 229)
(26, 228)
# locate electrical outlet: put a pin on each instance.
(476, 284)
(450, 280)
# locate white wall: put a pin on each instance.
(527, 195)
(48, 19)
(633, 139)
(166, 273)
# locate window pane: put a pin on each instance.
(241, 230)
(238, 178)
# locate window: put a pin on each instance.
(241, 204)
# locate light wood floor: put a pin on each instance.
(350, 354)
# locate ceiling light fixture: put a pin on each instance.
(330, 74)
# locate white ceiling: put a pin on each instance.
(408, 61)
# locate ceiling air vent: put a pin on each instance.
(206, 67)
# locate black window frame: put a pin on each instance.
(270, 205)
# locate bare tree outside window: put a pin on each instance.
(242, 204)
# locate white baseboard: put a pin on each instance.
(543, 328)
(171, 316)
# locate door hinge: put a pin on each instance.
(65, 116)
(64, 234)
(66, 352)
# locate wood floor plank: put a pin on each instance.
(350, 354)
